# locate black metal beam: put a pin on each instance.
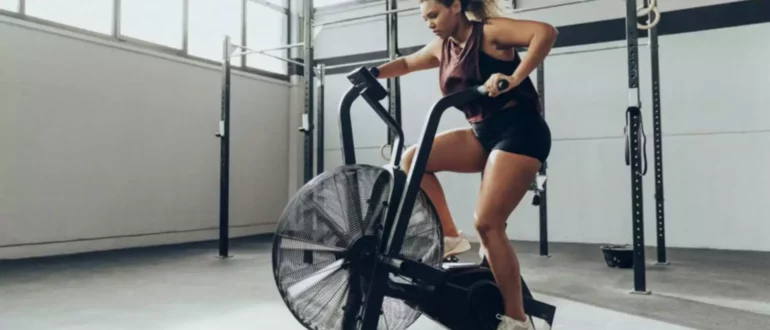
(543, 194)
(394, 84)
(658, 142)
(634, 151)
(308, 82)
(321, 120)
(224, 157)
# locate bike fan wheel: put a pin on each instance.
(317, 230)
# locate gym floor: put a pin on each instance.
(187, 287)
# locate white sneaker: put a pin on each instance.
(456, 245)
(507, 323)
(482, 251)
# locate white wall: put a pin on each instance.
(592, 11)
(107, 146)
(715, 126)
(369, 34)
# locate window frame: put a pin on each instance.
(116, 36)
(19, 9)
(286, 11)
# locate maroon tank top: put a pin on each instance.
(468, 66)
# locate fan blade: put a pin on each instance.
(299, 244)
(305, 284)
(323, 217)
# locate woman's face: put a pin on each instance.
(441, 19)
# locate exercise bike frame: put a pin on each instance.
(363, 312)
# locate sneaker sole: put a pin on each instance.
(460, 248)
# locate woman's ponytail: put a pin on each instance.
(476, 10)
(480, 10)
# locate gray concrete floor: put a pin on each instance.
(187, 287)
(699, 288)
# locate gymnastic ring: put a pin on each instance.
(654, 22)
(382, 152)
(642, 10)
(386, 156)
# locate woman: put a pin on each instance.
(508, 139)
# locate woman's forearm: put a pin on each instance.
(394, 68)
(538, 49)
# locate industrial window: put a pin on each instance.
(266, 28)
(209, 22)
(10, 5)
(156, 21)
(92, 15)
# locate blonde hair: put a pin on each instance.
(475, 10)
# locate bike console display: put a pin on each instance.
(362, 77)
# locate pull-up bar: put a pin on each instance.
(356, 18)
(569, 3)
(598, 49)
(641, 11)
(344, 65)
(265, 52)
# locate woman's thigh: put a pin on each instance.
(507, 178)
(455, 150)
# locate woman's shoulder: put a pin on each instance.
(496, 24)
(498, 28)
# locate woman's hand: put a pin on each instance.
(492, 82)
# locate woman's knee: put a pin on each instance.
(406, 161)
(489, 223)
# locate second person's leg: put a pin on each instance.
(456, 150)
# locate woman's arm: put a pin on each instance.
(538, 37)
(423, 59)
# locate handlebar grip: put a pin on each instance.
(501, 85)
(375, 72)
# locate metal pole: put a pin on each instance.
(581, 51)
(185, 26)
(243, 30)
(321, 114)
(224, 169)
(576, 2)
(658, 141)
(379, 60)
(543, 194)
(275, 57)
(249, 51)
(289, 46)
(116, 18)
(633, 118)
(394, 84)
(351, 19)
(309, 73)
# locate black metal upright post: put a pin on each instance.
(394, 84)
(224, 164)
(309, 74)
(633, 119)
(658, 141)
(543, 194)
(321, 114)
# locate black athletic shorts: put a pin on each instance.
(519, 129)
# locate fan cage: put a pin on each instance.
(318, 226)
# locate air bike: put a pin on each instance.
(361, 246)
